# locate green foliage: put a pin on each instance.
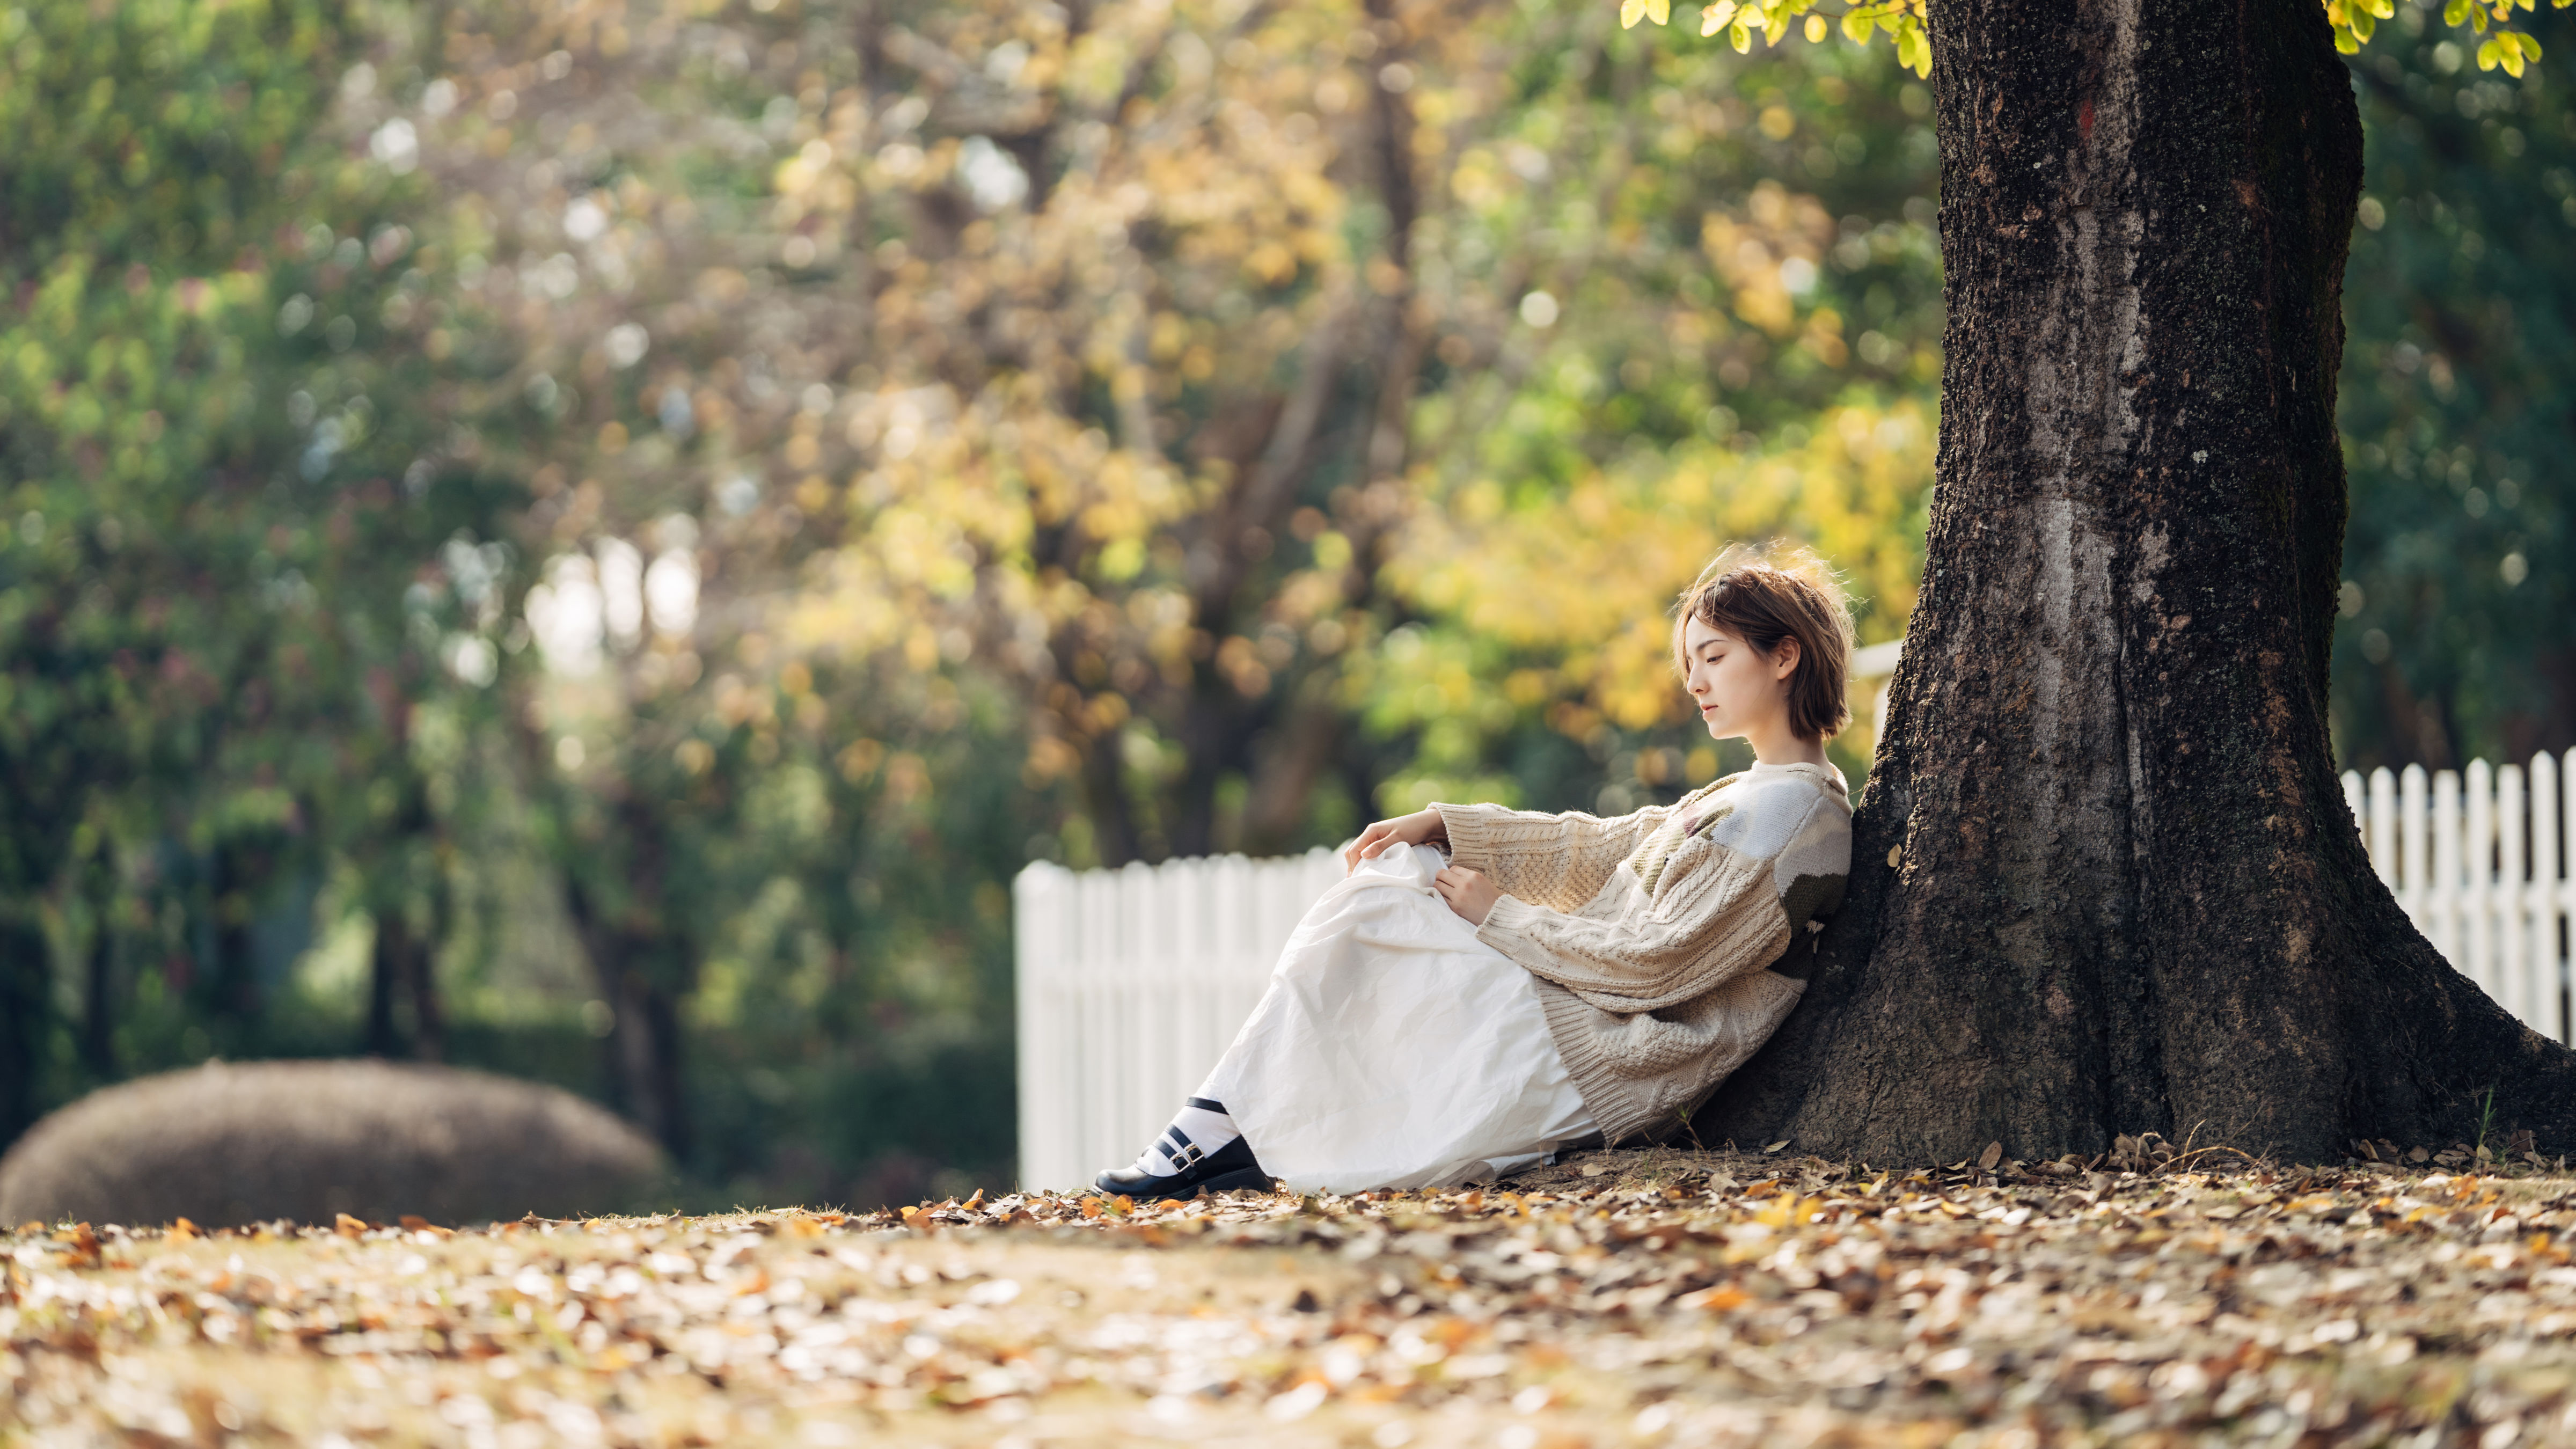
(2456, 408)
(202, 374)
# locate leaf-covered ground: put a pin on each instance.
(1619, 1299)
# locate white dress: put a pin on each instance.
(1394, 1049)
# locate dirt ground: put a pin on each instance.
(1660, 1298)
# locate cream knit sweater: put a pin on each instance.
(1652, 933)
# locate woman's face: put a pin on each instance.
(1739, 689)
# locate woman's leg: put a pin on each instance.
(1199, 1152)
(1201, 1147)
(1319, 1046)
(1201, 1127)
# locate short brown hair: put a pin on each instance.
(1765, 593)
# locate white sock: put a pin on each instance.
(1200, 1128)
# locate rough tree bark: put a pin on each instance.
(2104, 879)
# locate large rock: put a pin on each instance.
(235, 1143)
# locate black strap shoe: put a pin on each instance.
(1225, 1170)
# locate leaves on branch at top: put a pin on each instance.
(2353, 22)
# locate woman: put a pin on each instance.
(1436, 1020)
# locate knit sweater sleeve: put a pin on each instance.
(1720, 920)
(1556, 860)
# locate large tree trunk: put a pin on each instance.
(2104, 879)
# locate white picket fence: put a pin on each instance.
(2478, 860)
(1132, 982)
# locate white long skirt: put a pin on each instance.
(1393, 1048)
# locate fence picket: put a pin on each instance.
(2382, 829)
(2540, 911)
(2519, 994)
(2477, 894)
(2415, 841)
(2442, 915)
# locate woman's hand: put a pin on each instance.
(1471, 893)
(1422, 827)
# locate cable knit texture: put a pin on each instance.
(1652, 933)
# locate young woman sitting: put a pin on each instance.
(1553, 978)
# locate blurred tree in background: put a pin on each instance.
(211, 682)
(592, 539)
(2459, 408)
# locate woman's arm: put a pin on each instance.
(1727, 915)
(1558, 860)
(1422, 827)
(1731, 924)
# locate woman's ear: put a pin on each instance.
(1784, 657)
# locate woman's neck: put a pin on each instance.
(1784, 748)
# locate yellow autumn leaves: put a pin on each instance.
(1587, 576)
(1773, 19)
(2354, 21)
